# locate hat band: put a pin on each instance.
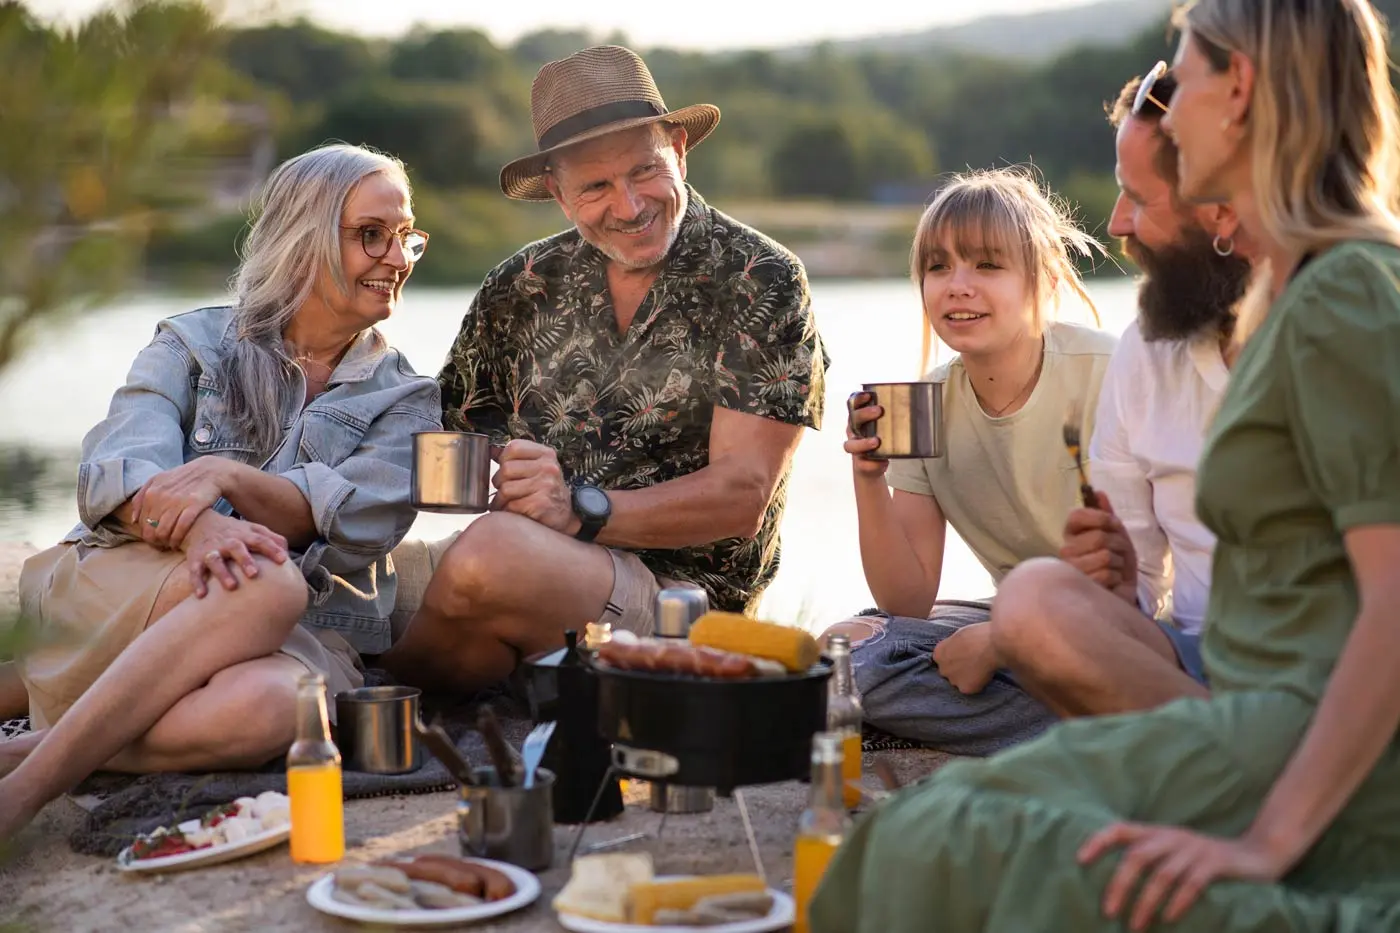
(594, 117)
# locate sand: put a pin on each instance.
(45, 886)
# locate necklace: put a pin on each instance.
(304, 361)
(998, 412)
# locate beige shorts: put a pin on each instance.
(631, 605)
(90, 603)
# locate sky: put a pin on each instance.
(709, 25)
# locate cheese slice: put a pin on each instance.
(599, 885)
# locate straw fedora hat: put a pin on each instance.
(590, 94)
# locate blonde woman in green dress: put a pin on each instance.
(1274, 805)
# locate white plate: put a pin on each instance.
(780, 917)
(211, 855)
(527, 888)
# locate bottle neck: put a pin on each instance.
(313, 724)
(842, 679)
(826, 785)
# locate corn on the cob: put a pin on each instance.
(791, 647)
(646, 898)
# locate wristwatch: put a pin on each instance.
(593, 508)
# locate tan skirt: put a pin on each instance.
(90, 603)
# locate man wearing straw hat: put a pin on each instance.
(649, 373)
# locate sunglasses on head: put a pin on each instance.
(1144, 91)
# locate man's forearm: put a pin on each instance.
(271, 501)
(718, 502)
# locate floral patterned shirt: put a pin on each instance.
(727, 322)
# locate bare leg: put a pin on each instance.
(244, 717)
(206, 635)
(14, 700)
(506, 588)
(1080, 649)
(857, 629)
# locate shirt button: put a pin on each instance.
(203, 434)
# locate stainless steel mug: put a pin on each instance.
(451, 472)
(510, 824)
(374, 729)
(678, 798)
(911, 425)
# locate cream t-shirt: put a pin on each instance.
(1006, 485)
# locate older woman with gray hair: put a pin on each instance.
(237, 503)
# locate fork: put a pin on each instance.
(533, 749)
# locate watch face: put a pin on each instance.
(593, 502)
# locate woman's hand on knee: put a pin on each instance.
(167, 506)
(217, 543)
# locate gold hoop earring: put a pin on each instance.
(1223, 246)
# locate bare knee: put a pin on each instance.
(857, 629)
(278, 595)
(254, 717)
(481, 568)
(1032, 614)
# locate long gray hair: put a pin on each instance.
(295, 236)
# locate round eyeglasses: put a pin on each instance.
(1144, 91)
(375, 239)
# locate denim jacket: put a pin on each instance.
(349, 451)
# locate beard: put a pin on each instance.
(1187, 289)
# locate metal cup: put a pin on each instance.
(911, 425)
(678, 798)
(374, 729)
(451, 472)
(509, 824)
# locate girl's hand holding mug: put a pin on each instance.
(862, 412)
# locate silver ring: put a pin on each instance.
(213, 555)
(153, 522)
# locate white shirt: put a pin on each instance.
(1156, 402)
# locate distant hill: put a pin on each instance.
(1029, 36)
(1039, 36)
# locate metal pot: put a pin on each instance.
(911, 425)
(451, 472)
(707, 732)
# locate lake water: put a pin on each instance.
(61, 387)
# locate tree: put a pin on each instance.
(464, 56)
(434, 131)
(816, 158)
(302, 60)
(93, 118)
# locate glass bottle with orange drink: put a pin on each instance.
(313, 780)
(823, 824)
(844, 715)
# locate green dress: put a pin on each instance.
(1306, 445)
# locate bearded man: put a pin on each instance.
(1114, 624)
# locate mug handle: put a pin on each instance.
(868, 429)
(471, 822)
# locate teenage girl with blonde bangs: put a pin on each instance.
(993, 260)
(1274, 804)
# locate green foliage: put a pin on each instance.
(94, 121)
